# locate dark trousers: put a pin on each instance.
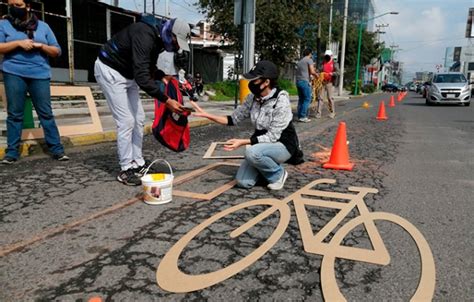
(39, 89)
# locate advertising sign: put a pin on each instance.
(470, 24)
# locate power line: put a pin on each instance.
(185, 7)
(436, 40)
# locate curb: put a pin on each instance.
(31, 147)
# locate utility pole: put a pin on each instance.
(343, 51)
(70, 40)
(249, 34)
(167, 8)
(362, 22)
(330, 26)
(144, 6)
(378, 31)
(116, 3)
(392, 56)
(244, 15)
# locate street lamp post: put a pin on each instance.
(356, 89)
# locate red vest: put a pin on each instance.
(328, 69)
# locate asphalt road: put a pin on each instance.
(82, 234)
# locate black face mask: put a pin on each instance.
(17, 12)
(255, 88)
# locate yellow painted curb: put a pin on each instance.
(95, 138)
(24, 150)
(82, 140)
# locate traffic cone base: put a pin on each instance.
(382, 118)
(348, 166)
(339, 159)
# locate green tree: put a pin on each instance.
(284, 27)
(280, 27)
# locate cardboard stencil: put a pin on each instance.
(67, 130)
(171, 278)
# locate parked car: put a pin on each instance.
(449, 88)
(389, 88)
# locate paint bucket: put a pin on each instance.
(157, 187)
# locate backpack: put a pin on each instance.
(171, 129)
(288, 137)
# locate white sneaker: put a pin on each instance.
(332, 115)
(280, 183)
(304, 120)
(318, 116)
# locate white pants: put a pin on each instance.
(124, 102)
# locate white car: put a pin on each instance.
(449, 88)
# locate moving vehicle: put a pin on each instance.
(449, 88)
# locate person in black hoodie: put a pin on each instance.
(125, 64)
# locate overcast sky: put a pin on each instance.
(422, 29)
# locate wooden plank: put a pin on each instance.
(212, 148)
(196, 173)
(94, 127)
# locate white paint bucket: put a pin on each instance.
(158, 187)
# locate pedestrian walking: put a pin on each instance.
(274, 140)
(330, 71)
(198, 83)
(304, 70)
(125, 64)
(26, 44)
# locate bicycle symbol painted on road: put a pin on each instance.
(171, 278)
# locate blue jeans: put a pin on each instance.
(304, 98)
(263, 159)
(15, 89)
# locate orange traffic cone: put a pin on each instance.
(339, 159)
(399, 96)
(392, 102)
(381, 115)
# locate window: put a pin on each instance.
(450, 78)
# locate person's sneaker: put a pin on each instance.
(8, 160)
(304, 120)
(318, 116)
(332, 115)
(140, 170)
(61, 157)
(129, 178)
(280, 183)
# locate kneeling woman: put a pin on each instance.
(274, 141)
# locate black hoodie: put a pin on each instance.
(133, 52)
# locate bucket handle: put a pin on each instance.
(156, 160)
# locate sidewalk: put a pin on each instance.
(73, 112)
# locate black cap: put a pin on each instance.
(263, 69)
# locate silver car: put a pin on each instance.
(449, 88)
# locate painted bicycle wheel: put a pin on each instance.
(426, 284)
(171, 278)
